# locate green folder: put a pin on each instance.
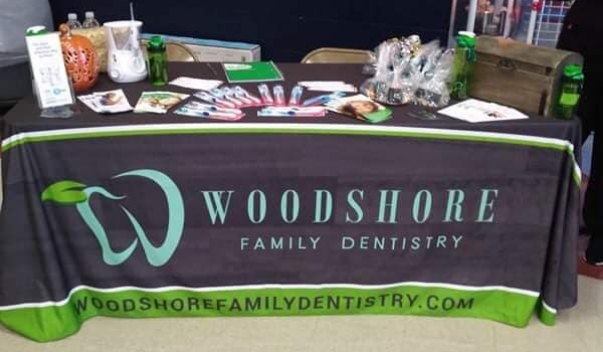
(249, 72)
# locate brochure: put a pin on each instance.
(109, 102)
(360, 107)
(51, 81)
(474, 111)
(158, 102)
(249, 72)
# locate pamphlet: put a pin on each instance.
(52, 84)
(196, 83)
(360, 107)
(249, 72)
(158, 102)
(110, 102)
(474, 111)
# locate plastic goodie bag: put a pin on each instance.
(433, 91)
(407, 71)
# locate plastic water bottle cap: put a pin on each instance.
(156, 43)
(72, 16)
(90, 14)
(467, 34)
(573, 71)
(35, 30)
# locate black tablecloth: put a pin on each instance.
(162, 215)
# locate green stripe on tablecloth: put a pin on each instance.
(55, 322)
(546, 314)
(294, 129)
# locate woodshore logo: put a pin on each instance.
(75, 193)
(381, 208)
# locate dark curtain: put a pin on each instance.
(285, 29)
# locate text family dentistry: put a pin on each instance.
(453, 208)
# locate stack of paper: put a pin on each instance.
(196, 84)
(328, 86)
(473, 110)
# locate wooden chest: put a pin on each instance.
(522, 76)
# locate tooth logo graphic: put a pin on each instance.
(75, 193)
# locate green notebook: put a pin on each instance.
(261, 71)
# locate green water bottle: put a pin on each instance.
(157, 61)
(571, 88)
(464, 59)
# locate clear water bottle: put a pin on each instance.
(72, 21)
(90, 21)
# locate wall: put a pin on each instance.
(285, 29)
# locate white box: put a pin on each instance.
(215, 50)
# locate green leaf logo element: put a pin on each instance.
(65, 193)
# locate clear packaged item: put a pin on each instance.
(434, 89)
(196, 109)
(407, 71)
(323, 99)
(239, 101)
(296, 95)
(242, 92)
(209, 98)
(292, 111)
(210, 107)
(266, 95)
(279, 95)
(222, 96)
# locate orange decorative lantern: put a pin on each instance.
(81, 60)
